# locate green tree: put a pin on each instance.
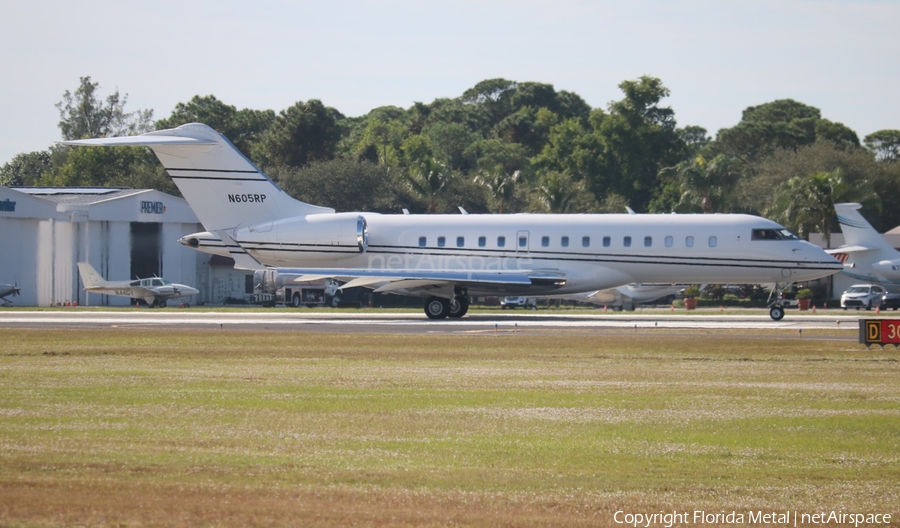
(83, 115)
(557, 193)
(784, 124)
(695, 138)
(639, 139)
(498, 155)
(755, 193)
(706, 184)
(25, 169)
(301, 134)
(343, 184)
(381, 141)
(573, 149)
(885, 144)
(451, 142)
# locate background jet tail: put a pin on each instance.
(222, 186)
(90, 277)
(859, 232)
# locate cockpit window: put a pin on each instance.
(773, 234)
(157, 282)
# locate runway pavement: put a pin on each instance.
(392, 322)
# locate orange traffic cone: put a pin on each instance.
(814, 308)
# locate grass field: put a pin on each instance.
(143, 428)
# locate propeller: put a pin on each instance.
(16, 290)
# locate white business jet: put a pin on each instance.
(155, 292)
(867, 256)
(447, 258)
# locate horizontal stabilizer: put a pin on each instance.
(139, 141)
(848, 249)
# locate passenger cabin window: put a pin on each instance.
(482, 241)
(460, 241)
(606, 241)
(545, 241)
(523, 241)
(648, 241)
(501, 241)
(442, 241)
(422, 241)
(585, 241)
(564, 241)
(689, 241)
(712, 241)
(626, 241)
(772, 234)
(670, 241)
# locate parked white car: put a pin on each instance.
(866, 296)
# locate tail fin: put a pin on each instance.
(222, 186)
(857, 231)
(90, 277)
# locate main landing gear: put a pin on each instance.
(441, 308)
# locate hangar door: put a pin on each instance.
(146, 250)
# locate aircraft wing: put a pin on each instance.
(388, 280)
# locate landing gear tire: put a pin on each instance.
(295, 300)
(776, 313)
(161, 304)
(437, 308)
(459, 307)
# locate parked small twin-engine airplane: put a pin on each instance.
(155, 292)
(6, 290)
(866, 255)
(447, 258)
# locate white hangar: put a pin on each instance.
(123, 233)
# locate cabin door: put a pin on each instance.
(522, 242)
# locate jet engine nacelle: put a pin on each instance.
(295, 240)
(889, 269)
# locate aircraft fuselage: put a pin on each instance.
(594, 251)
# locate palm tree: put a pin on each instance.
(427, 178)
(708, 182)
(558, 193)
(501, 185)
(806, 203)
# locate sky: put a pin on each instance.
(717, 57)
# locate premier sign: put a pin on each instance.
(152, 207)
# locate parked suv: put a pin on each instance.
(890, 300)
(866, 296)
